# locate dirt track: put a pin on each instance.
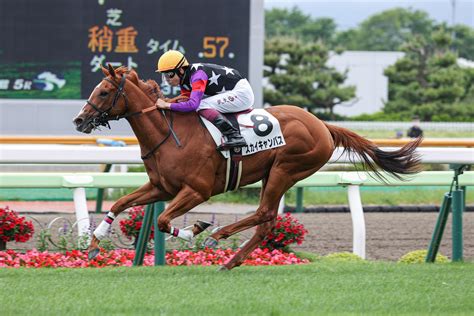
(389, 235)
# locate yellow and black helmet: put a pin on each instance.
(171, 60)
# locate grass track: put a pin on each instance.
(319, 288)
(423, 195)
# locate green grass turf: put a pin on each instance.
(323, 287)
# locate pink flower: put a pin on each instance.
(124, 257)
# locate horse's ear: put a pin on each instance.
(111, 70)
(105, 71)
(133, 76)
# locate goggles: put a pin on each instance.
(166, 76)
(169, 75)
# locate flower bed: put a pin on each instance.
(78, 259)
(288, 230)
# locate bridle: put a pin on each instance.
(104, 115)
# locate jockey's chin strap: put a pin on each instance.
(104, 115)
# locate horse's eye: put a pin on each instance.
(103, 93)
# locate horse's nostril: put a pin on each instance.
(78, 121)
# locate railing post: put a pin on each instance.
(358, 221)
(281, 205)
(82, 214)
(160, 251)
(100, 192)
(456, 200)
(439, 229)
(143, 236)
(458, 209)
(299, 200)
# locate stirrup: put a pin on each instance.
(236, 146)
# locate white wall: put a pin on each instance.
(256, 49)
(366, 74)
(48, 117)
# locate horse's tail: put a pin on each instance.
(396, 163)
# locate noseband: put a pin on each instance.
(103, 118)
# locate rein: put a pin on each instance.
(104, 115)
(170, 132)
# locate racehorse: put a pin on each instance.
(191, 170)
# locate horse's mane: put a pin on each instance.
(150, 87)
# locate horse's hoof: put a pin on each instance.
(200, 226)
(203, 225)
(210, 242)
(93, 253)
(223, 269)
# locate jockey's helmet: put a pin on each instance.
(171, 60)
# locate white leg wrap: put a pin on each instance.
(185, 234)
(102, 230)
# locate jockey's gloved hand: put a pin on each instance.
(162, 104)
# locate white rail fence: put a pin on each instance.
(389, 126)
(73, 154)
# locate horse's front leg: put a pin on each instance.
(148, 193)
(185, 200)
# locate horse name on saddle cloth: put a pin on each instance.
(260, 129)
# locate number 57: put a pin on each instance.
(211, 44)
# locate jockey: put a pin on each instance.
(211, 89)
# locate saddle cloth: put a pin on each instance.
(260, 129)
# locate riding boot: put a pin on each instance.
(234, 139)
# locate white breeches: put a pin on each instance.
(238, 99)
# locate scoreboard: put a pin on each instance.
(53, 49)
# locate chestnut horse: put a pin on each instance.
(191, 173)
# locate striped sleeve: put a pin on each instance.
(186, 93)
(198, 86)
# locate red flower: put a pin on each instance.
(130, 226)
(14, 227)
(287, 231)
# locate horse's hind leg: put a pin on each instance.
(262, 231)
(265, 216)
